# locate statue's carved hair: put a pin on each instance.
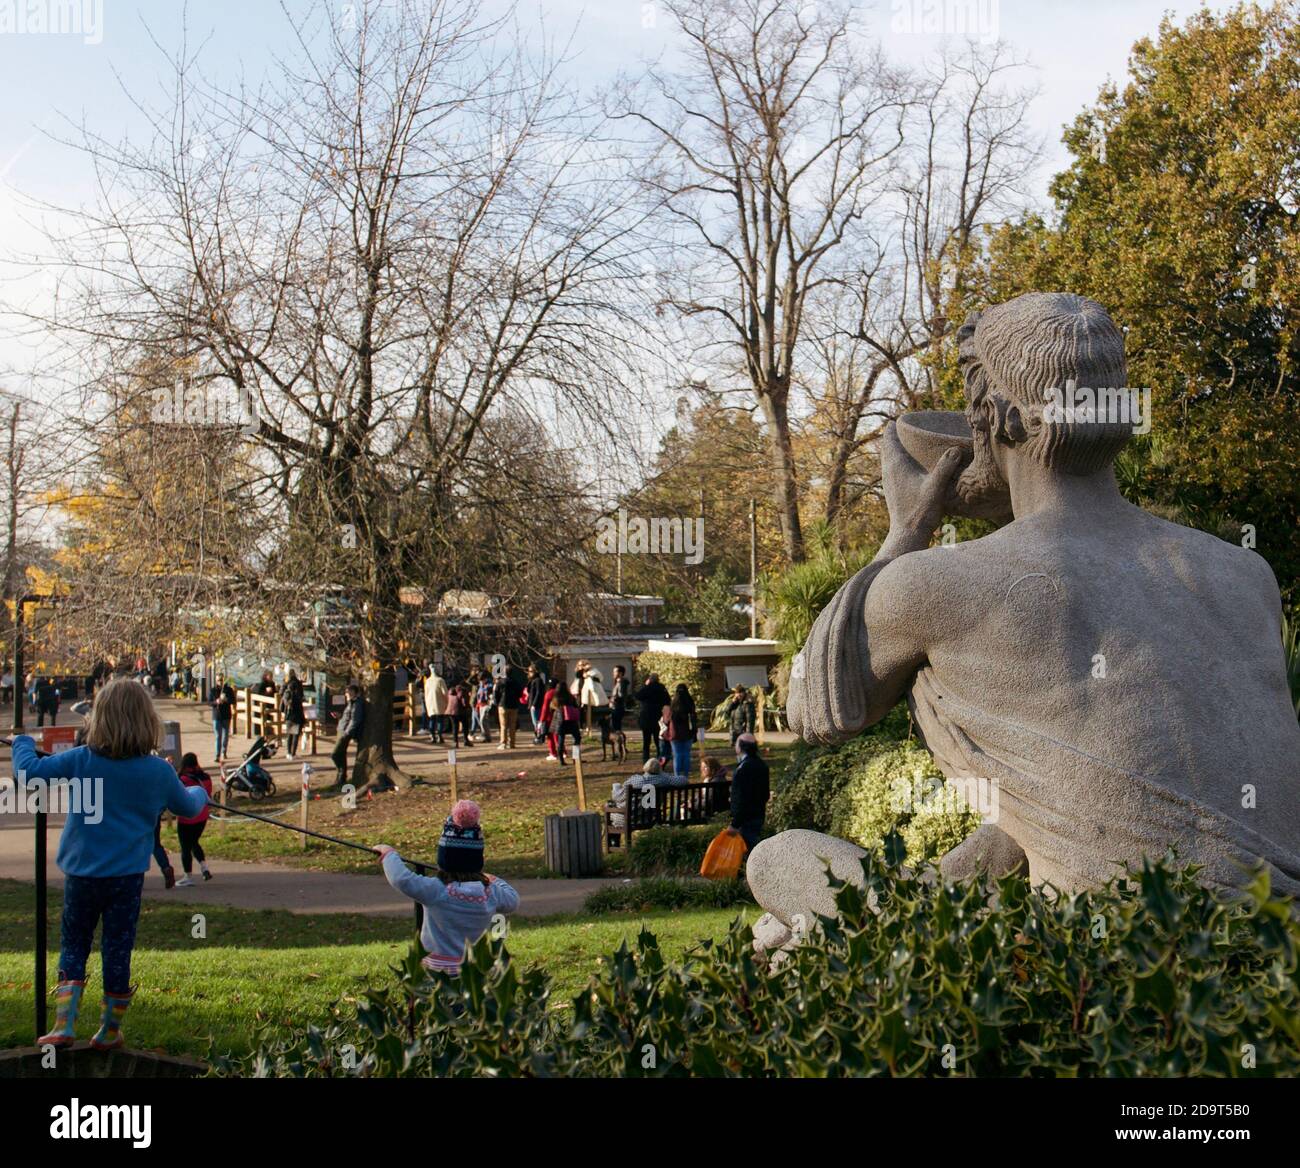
(1012, 354)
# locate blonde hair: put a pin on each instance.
(123, 722)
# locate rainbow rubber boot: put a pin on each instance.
(109, 1035)
(67, 997)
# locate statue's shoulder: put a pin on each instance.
(1207, 560)
(939, 582)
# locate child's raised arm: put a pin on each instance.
(29, 766)
(425, 889)
(185, 801)
(501, 895)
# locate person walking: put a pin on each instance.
(47, 701)
(483, 703)
(536, 686)
(740, 713)
(223, 708)
(552, 718)
(508, 694)
(684, 724)
(160, 856)
(620, 690)
(291, 706)
(435, 701)
(104, 858)
(571, 722)
(651, 699)
(352, 722)
(453, 709)
(750, 790)
(190, 827)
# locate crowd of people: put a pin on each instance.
(104, 859)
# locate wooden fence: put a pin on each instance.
(259, 714)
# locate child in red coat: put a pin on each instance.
(190, 830)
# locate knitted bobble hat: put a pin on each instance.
(460, 848)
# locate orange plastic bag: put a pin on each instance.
(722, 860)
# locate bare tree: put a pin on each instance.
(963, 168)
(771, 143)
(373, 260)
(25, 478)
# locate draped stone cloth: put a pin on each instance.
(1078, 817)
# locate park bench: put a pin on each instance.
(672, 806)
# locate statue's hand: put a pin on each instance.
(914, 496)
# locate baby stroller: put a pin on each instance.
(251, 778)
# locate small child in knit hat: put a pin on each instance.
(461, 901)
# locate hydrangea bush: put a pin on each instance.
(898, 788)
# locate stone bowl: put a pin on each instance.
(926, 434)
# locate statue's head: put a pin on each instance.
(1012, 356)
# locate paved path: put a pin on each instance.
(297, 890)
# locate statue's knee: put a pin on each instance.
(989, 851)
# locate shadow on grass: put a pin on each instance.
(172, 927)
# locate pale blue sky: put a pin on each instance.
(1075, 44)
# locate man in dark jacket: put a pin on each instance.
(351, 724)
(47, 701)
(650, 701)
(619, 691)
(740, 713)
(750, 788)
(223, 707)
(506, 696)
(536, 692)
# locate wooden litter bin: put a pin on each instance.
(573, 843)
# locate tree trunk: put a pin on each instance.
(376, 769)
(785, 489)
(835, 485)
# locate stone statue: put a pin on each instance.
(1116, 680)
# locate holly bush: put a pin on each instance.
(1151, 974)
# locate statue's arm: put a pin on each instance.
(866, 645)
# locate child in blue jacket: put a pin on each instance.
(461, 901)
(116, 790)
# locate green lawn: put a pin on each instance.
(286, 968)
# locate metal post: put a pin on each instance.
(19, 695)
(42, 924)
(753, 570)
(306, 795)
(419, 908)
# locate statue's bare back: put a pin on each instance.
(1115, 680)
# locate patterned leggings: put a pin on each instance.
(88, 900)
